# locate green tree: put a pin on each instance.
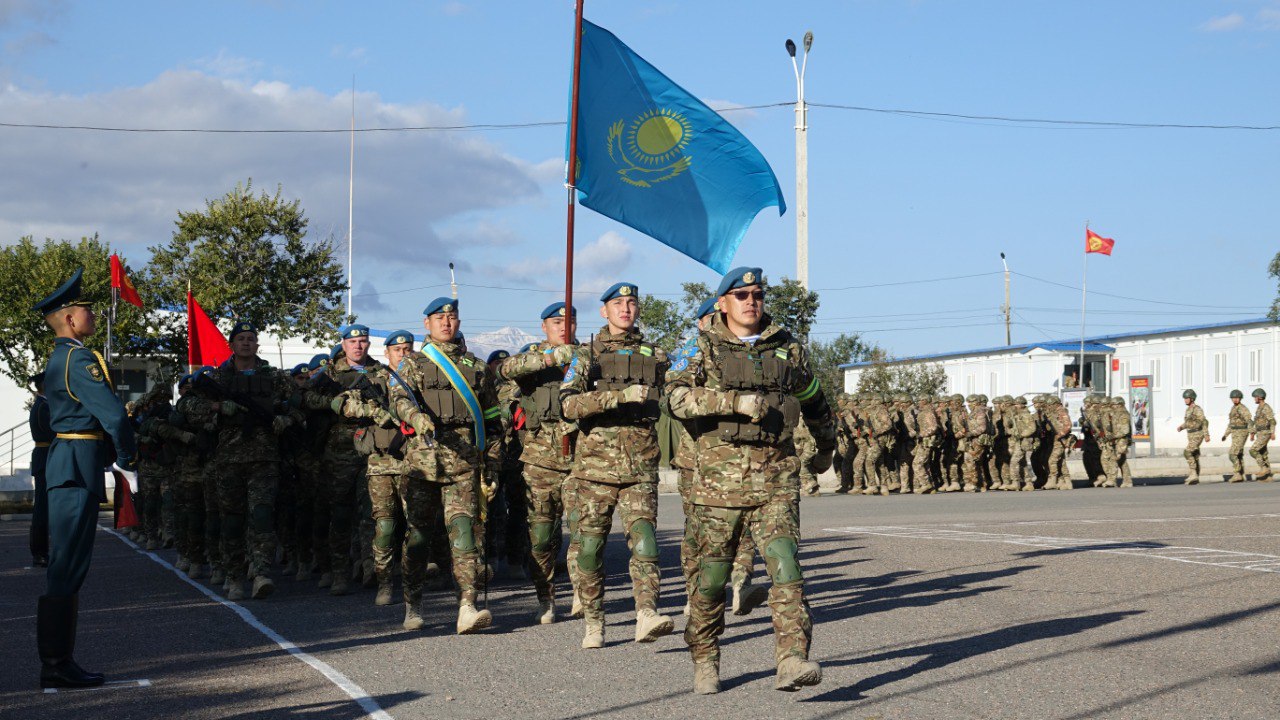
(791, 306)
(913, 379)
(661, 322)
(32, 271)
(247, 256)
(825, 358)
(1274, 271)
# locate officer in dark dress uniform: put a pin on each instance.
(85, 414)
(41, 437)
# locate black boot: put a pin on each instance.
(56, 617)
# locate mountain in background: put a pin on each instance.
(510, 339)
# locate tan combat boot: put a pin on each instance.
(1236, 478)
(706, 677)
(472, 620)
(593, 637)
(217, 577)
(650, 625)
(235, 590)
(412, 616)
(1192, 480)
(795, 673)
(748, 597)
(340, 585)
(546, 611)
(384, 592)
(262, 587)
(576, 610)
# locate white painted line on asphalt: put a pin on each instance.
(354, 691)
(108, 685)
(1104, 521)
(1258, 562)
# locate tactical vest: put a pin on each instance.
(256, 388)
(761, 372)
(436, 393)
(618, 369)
(540, 397)
(380, 439)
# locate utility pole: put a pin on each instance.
(802, 162)
(1007, 308)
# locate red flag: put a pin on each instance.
(205, 343)
(120, 281)
(126, 514)
(1095, 243)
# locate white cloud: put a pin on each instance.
(130, 186)
(226, 65)
(342, 52)
(1226, 23)
(1267, 18)
(596, 265)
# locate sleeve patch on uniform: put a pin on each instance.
(468, 362)
(681, 363)
(646, 351)
(781, 353)
(572, 372)
(94, 371)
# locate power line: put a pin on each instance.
(1136, 299)
(1044, 121)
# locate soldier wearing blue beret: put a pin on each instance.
(88, 419)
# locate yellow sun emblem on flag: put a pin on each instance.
(651, 148)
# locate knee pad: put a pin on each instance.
(233, 526)
(384, 533)
(591, 555)
(540, 534)
(263, 518)
(644, 545)
(462, 533)
(416, 541)
(780, 556)
(713, 574)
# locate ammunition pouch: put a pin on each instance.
(438, 396)
(540, 398)
(620, 369)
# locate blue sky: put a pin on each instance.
(893, 198)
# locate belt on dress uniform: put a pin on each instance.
(42, 444)
(87, 435)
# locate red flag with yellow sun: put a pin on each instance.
(1095, 243)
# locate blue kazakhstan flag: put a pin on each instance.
(653, 156)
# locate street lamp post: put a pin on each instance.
(802, 162)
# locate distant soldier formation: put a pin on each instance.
(441, 469)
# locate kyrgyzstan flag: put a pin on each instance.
(205, 342)
(1095, 243)
(120, 281)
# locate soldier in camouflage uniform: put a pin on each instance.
(805, 450)
(747, 383)
(1119, 437)
(928, 433)
(1020, 425)
(1197, 428)
(252, 407)
(157, 457)
(1091, 427)
(880, 439)
(1059, 420)
(846, 448)
(905, 441)
(613, 392)
(860, 438)
(958, 428)
(1000, 456)
(512, 535)
(548, 443)
(456, 443)
(188, 496)
(978, 439)
(1238, 422)
(1044, 443)
(1261, 432)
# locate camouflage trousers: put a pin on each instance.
(1260, 455)
(453, 465)
(212, 516)
(844, 467)
(876, 464)
(286, 521)
(1019, 455)
(247, 499)
(923, 463)
(861, 458)
(1058, 475)
(637, 504)
(744, 560)
(310, 515)
(188, 500)
(1120, 463)
(1039, 457)
(975, 466)
(156, 481)
(1091, 456)
(1192, 452)
(412, 498)
(344, 474)
(1239, 438)
(903, 454)
(999, 461)
(719, 533)
(953, 454)
(548, 497)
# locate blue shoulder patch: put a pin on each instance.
(681, 363)
(572, 372)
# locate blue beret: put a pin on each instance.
(299, 369)
(318, 360)
(186, 379)
(622, 289)
(707, 307)
(556, 309)
(66, 295)
(740, 277)
(355, 331)
(399, 337)
(498, 355)
(202, 372)
(528, 347)
(335, 350)
(242, 326)
(441, 305)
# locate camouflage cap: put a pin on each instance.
(1260, 393)
(1237, 394)
(1189, 393)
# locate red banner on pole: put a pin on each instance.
(205, 343)
(120, 281)
(1095, 243)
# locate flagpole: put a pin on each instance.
(351, 200)
(1084, 295)
(571, 177)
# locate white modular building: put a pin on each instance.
(1212, 359)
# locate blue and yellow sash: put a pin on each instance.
(460, 386)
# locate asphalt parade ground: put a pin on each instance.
(1155, 602)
